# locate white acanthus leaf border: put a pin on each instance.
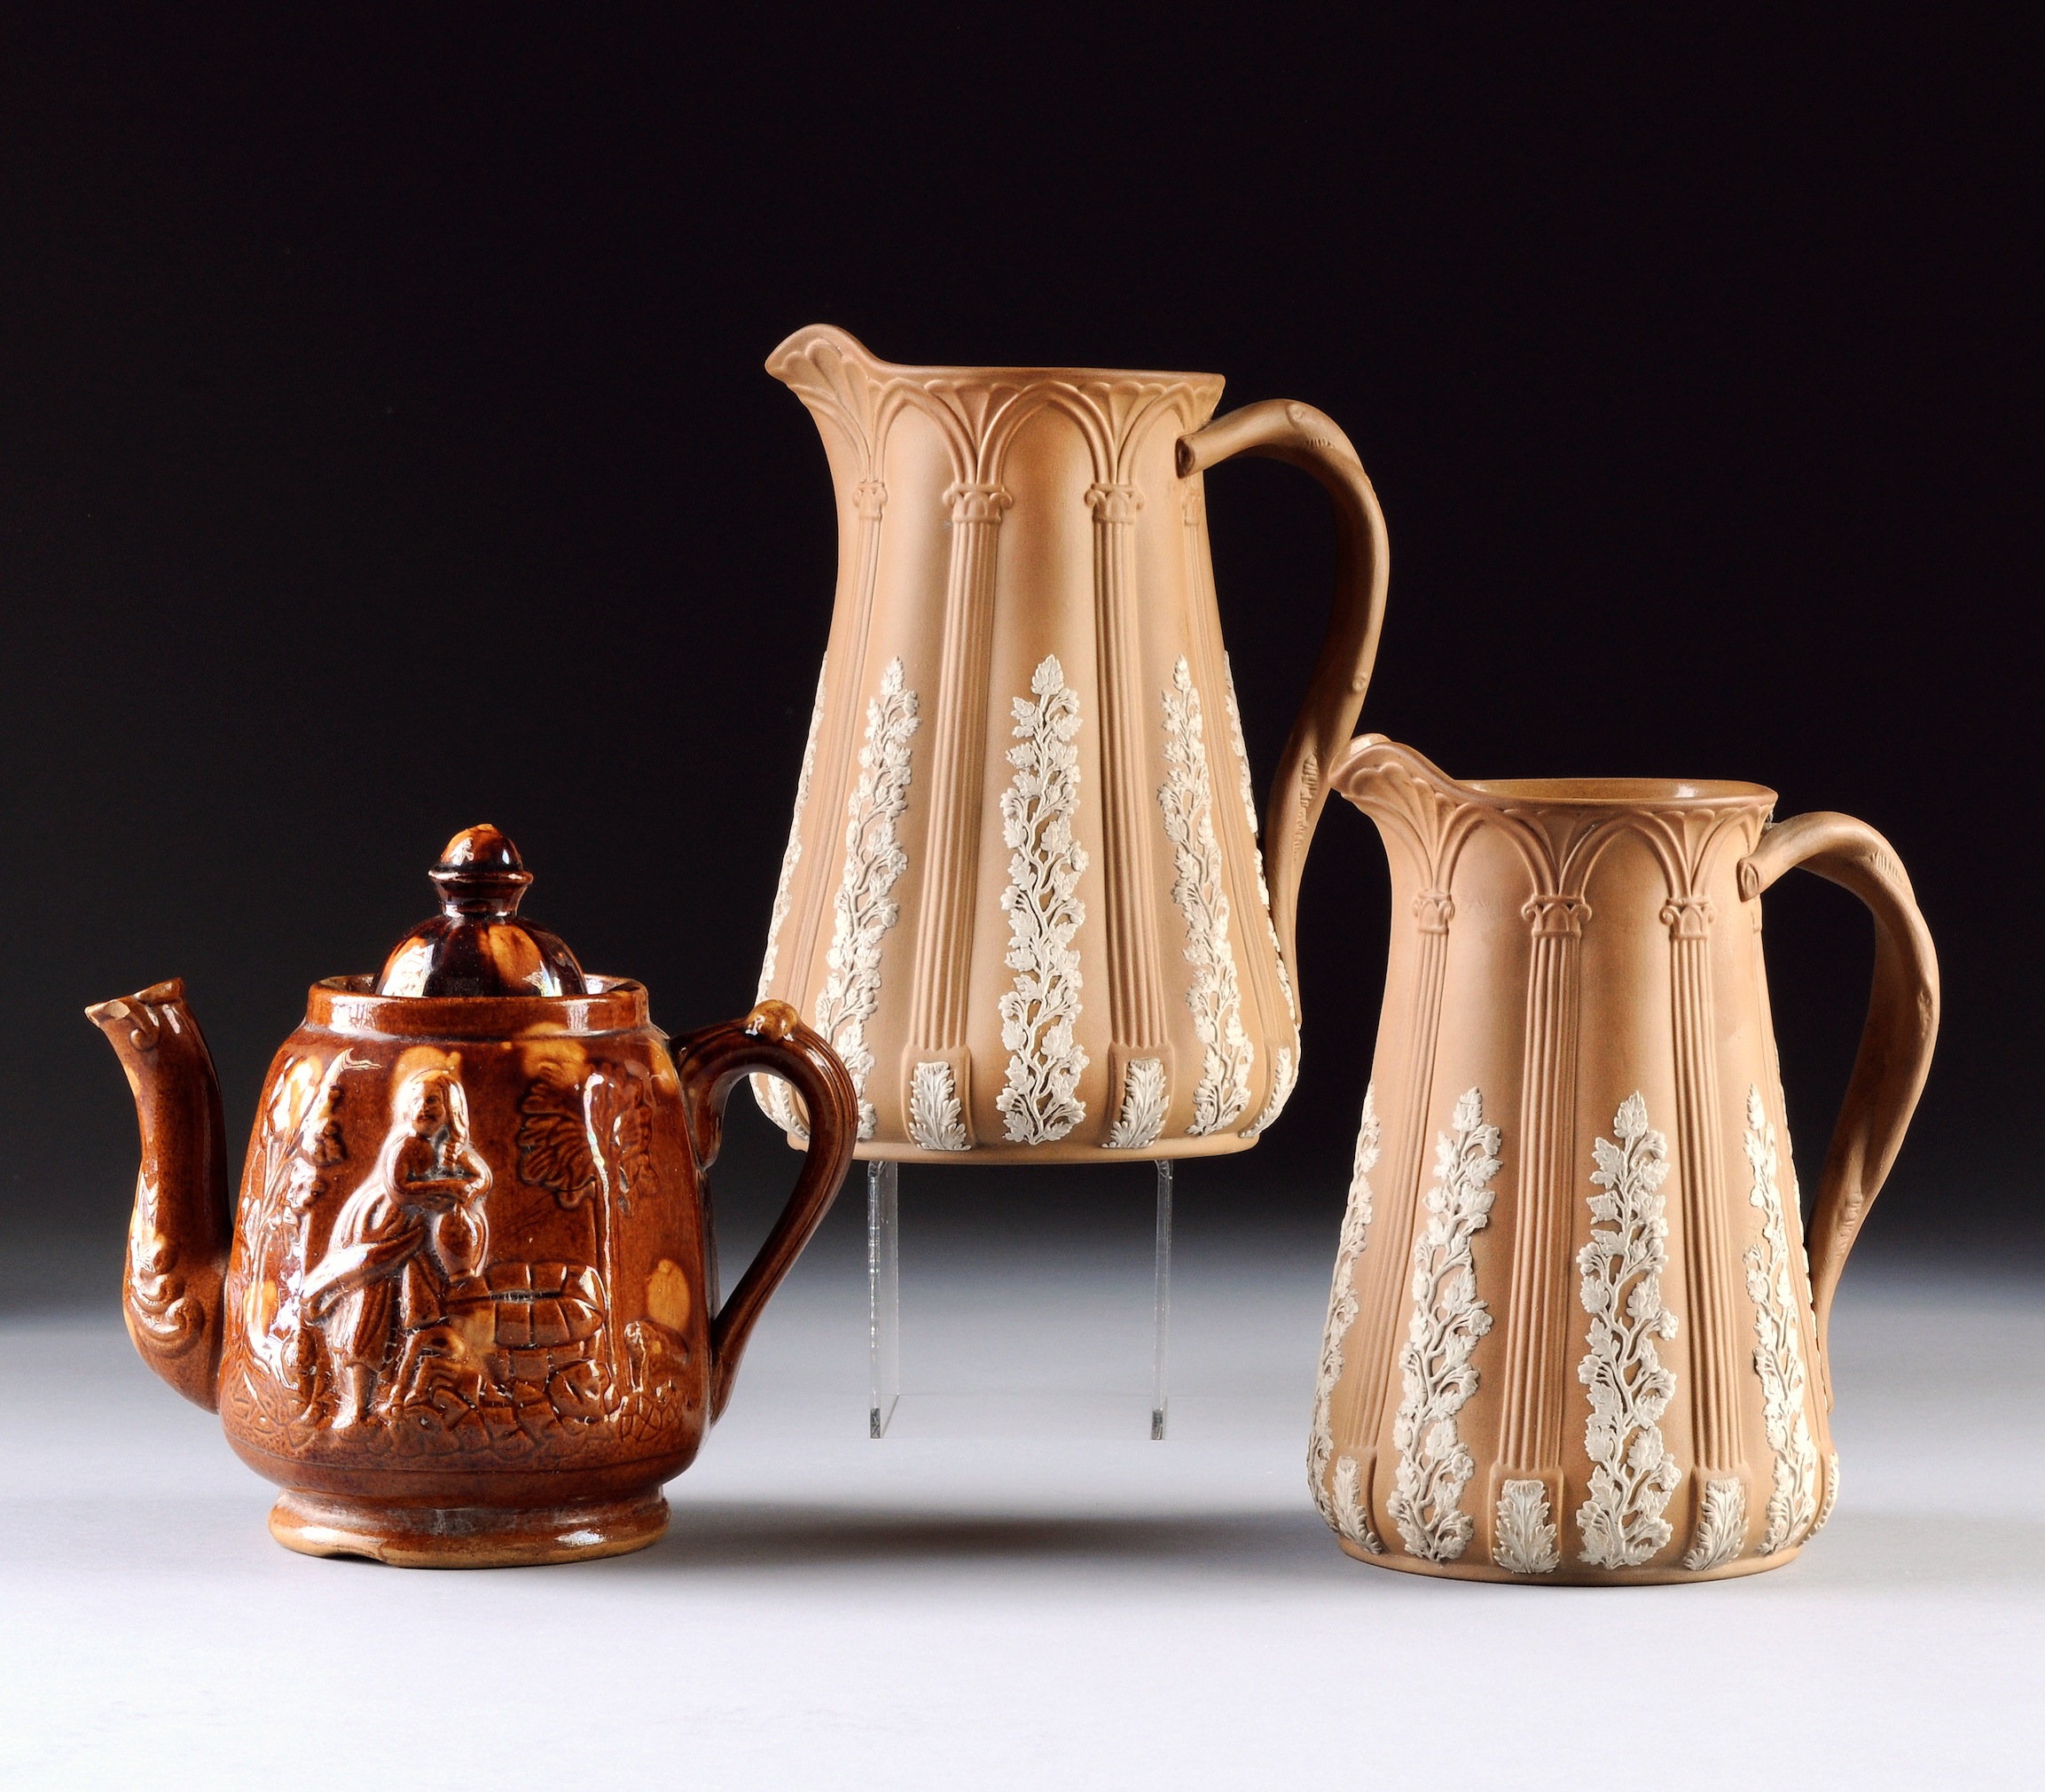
(1352, 1515)
(1632, 1472)
(1341, 1500)
(1144, 1101)
(1524, 1537)
(863, 911)
(1436, 1371)
(1721, 1525)
(936, 1121)
(774, 1097)
(1246, 787)
(1039, 1103)
(1285, 1078)
(1214, 997)
(1792, 1507)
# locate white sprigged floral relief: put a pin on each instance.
(1831, 1495)
(863, 911)
(1346, 1516)
(1038, 1104)
(1779, 1354)
(1436, 1371)
(1186, 797)
(773, 1096)
(792, 854)
(1285, 1078)
(1246, 788)
(779, 1102)
(1144, 1100)
(1632, 1472)
(1351, 1517)
(1524, 1542)
(935, 1121)
(1721, 1525)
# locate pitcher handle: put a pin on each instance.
(710, 1065)
(1282, 430)
(1896, 1043)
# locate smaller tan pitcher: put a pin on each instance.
(1574, 1334)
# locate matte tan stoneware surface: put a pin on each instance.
(466, 1312)
(1023, 895)
(1573, 1333)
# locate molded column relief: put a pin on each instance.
(1558, 854)
(948, 907)
(1537, 1365)
(1712, 1271)
(1135, 991)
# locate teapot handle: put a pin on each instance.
(710, 1064)
(1896, 1043)
(1282, 430)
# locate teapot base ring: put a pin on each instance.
(466, 1537)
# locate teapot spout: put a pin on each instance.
(177, 1238)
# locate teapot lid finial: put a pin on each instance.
(481, 872)
(477, 945)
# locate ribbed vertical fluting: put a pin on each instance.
(1361, 1409)
(950, 857)
(1538, 1327)
(1135, 993)
(1708, 1259)
(835, 754)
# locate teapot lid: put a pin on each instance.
(477, 945)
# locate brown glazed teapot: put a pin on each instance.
(470, 1316)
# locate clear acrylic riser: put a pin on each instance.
(884, 1295)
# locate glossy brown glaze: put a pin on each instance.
(177, 1236)
(470, 1315)
(477, 945)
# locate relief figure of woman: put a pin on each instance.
(414, 1225)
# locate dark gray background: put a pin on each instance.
(384, 447)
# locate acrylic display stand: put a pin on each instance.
(884, 1294)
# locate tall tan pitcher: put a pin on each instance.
(1023, 895)
(1573, 1333)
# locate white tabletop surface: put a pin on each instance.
(1023, 1590)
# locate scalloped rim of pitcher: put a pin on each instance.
(1624, 793)
(915, 369)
